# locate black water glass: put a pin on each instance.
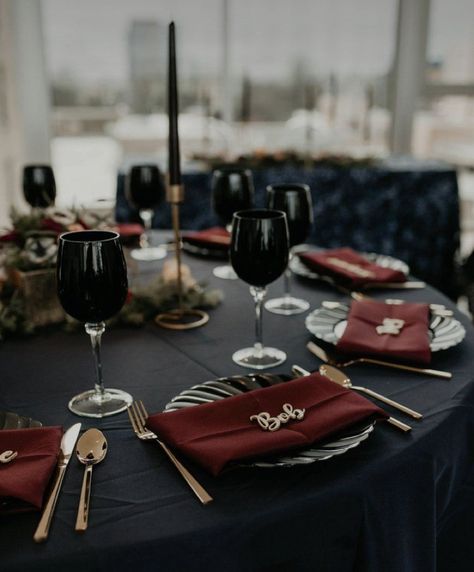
(39, 186)
(259, 255)
(232, 189)
(92, 287)
(295, 201)
(145, 190)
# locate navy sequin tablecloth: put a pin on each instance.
(403, 208)
(396, 503)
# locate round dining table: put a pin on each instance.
(398, 502)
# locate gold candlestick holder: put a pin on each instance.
(180, 318)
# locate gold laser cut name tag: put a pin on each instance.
(8, 456)
(269, 423)
(391, 326)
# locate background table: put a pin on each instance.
(405, 208)
(396, 503)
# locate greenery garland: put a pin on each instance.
(31, 245)
(142, 305)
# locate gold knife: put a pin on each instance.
(67, 448)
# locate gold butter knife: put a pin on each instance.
(67, 448)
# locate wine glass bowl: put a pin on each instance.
(93, 287)
(91, 292)
(145, 190)
(232, 190)
(39, 186)
(259, 255)
(295, 200)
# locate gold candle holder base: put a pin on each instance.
(182, 319)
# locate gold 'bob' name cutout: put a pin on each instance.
(269, 423)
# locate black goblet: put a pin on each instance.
(145, 190)
(232, 190)
(92, 287)
(295, 201)
(39, 186)
(259, 255)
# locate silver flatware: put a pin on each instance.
(324, 356)
(138, 416)
(91, 449)
(297, 370)
(67, 447)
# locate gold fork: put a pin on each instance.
(138, 416)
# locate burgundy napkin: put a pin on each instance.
(129, 232)
(215, 237)
(215, 434)
(332, 263)
(411, 344)
(23, 481)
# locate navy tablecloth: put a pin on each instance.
(398, 502)
(405, 209)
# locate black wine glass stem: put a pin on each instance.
(147, 217)
(95, 332)
(258, 296)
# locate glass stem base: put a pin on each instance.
(102, 403)
(149, 253)
(226, 272)
(259, 357)
(286, 305)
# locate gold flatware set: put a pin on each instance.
(91, 448)
(327, 358)
(340, 378)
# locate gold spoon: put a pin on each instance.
(341, 378)
(90, 450)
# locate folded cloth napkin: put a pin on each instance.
(23, 480)
(129, 232)
(216, 434)
(349, 268)
(216, 237)
(412, 343)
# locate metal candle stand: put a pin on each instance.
(179, 318)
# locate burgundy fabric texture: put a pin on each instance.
(216, 237)
(323, 263)
(23, 481)
(412, 344)
(216, 434)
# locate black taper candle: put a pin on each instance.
(174, 170)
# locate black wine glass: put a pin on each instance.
(92, 287)
(295, 201)
(232, 190)
(259, 255)
(145, 190)
(39, 186)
